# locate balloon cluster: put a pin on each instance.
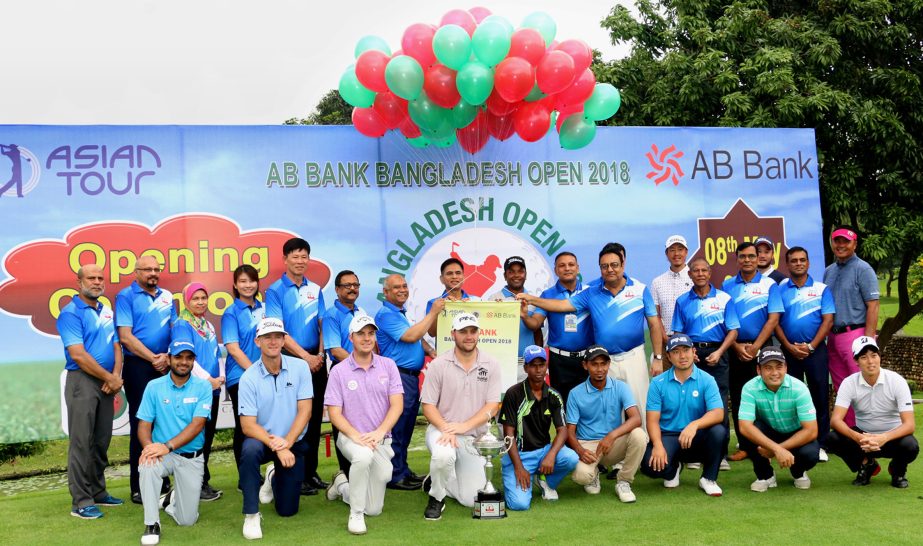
(475, 77)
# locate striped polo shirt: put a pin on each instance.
(783, 410)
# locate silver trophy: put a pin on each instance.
(489, 502)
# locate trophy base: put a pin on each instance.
(489, 506)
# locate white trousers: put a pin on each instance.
(455, 472)
(369, 472)
(631, 367)
(187, 477)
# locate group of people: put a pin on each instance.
(744, 348)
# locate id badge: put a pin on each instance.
(570, 323)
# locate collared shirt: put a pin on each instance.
(445, 294)
(805, 308)
(618, 321)
(149, 317)
(878, 407)
(363, 394)
(531, 418)
(753, 302)
(567, 331)
(238, 325)
(336, 327)
(774, 274)
(783, 410)
(852, 283)
(171, 409)
(705, 320)
(207, 352)
(92, 327)
(392, 322)
(681, 403)
(273, 399)
(526, 336)
(666, 288)
(597, 412)
(459, 394)
(299, 307)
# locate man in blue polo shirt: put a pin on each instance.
(684, 414)
(144, 314)
(802, 328)
(758, 305)
(299, 303)
(514, 272)
(452, 276)
(171, 426)
(402, 341)
(93, 360)
(275, 406)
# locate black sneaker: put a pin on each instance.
(151, 535)
(307, 489)
(866, 471)
(317, 483)
(899, 482)
(166, 498)
(434, 509)
(426, 483)
(136, 498)
(209, 493)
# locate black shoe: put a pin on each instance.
(151, 534)
(165, 486)
(166, 498)
(404, 484)
(426, 484)
(434, 509)
(414, 477)
(209, 493)
(307, 490)
(866, 471)
(136, 498)
(613, 474)
(317, 483)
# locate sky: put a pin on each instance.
(214, 62)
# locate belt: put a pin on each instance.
(191, 455)
(706, 344)
(846, 328)
(405, 371)
(568, 354)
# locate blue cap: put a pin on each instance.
(532, 352)
(678, 340)
(181, 345)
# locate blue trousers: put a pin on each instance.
(286, 483)
(705, 448)
(516, 498)
(403, 430)
(815, 372)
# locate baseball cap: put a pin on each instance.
(532, 352)
(596, 350)
(678, 340)
(861, 344)
(674, 239)
(360, 321)
(181, 345)
(763, 241)
(270, 325)
(513, 260)
(770, 353)
(847, 234)
(464, 320)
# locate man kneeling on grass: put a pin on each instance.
(529, 409)
(778, 416)
(364, 398)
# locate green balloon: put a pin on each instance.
(442, 131)
(499, 19)
(603, 103)
(427, 114)
(554, 121)
(452, 46)
(491, 42)
(446, 141)
(543, 23)
(474, 82)
(354, 92)
(404, 77)
(419, 142)
(576, 132)
(535, 94)
(463, 114)
(372, 42)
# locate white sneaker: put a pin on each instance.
(804, 482)
(710, 487)
(548, 493)
(333, 490)
(822, 456)
(761, 486)
(674, 481)
(593, 487)
(724, 466)
(252, 528)
(623, 490)
(694, 466)
(356, 523)
(266, 488)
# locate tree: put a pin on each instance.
(850, 69)
(331, 110)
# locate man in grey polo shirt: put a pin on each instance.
(672, 284)
(884, 419)
(460, 394)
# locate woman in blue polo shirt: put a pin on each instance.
(192, 326)
(238, 333)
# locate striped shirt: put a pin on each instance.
(665, 289)
(783, 410)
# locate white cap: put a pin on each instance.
(464, 320)
(269, 325)
(674, 239)
(860, 343)
(360, 321)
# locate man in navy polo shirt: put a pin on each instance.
(171, 426)
(275, 406)
(514, 272)
(758, 305)
(684, 414)
(93, 359)
(766, 259)
(299, 303)
(402, 341)
(144, 314)
(802, 328)
(452, 276)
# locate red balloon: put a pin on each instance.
(578, 91)
(513, 79)
(499, 107)
(417, 42)
(473, 137)
(391, 108)
(461, 18)
(409, 129)
(579, 52)
(500, 127)
(368, 122)
(531, 121)
(528, 44)
(555, 72)
(439, 84)
(370, 70)
(479, 13)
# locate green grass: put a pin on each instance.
(30, 401)
(832, 512)
(889, 309)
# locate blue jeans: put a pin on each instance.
(403, 430)
(705, 448)
(286, 483)
(516, 498)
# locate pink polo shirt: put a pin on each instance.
(363, 394)
(457, 393)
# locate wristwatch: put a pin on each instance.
(658, 357)
(810, 348)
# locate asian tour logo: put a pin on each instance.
(16, 185)
(664, 164)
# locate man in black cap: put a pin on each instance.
(766, 259)
(530, 331)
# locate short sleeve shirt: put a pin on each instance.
(531, 418)
(207, 352)
(238, 325)
(458, 394)
(273, 399)
(363, 394)
(300, 307)
(171, 409)
(567, 331)
(336, 327)
(392, 323)
(681, 403)
(705, 320)
(853, 283)
(783, 410)
(805, 308)
(526, 336)
(618, 320)
(92, 327)
(666, 288)
(150, 317)
(878, 407)
(753, 302)
(597, 412)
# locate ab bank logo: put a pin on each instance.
(12, 160)
(664, 164)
